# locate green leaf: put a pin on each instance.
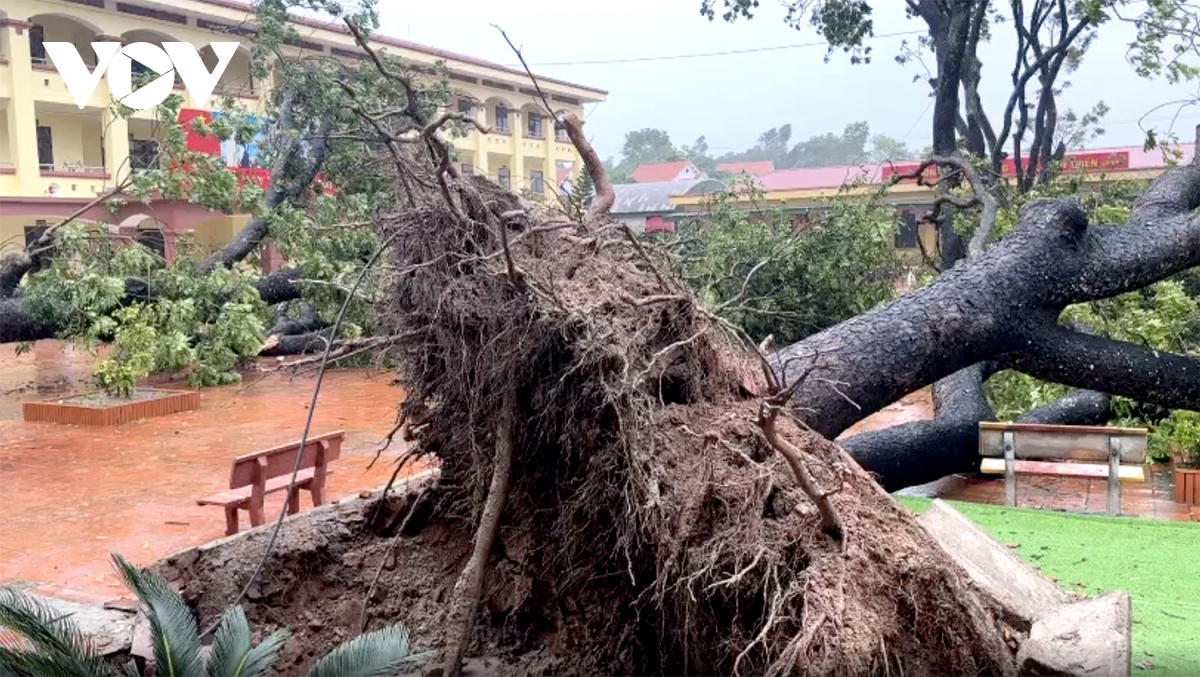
(233, 654)
(47, 643)
(374, 654)
(172, 627)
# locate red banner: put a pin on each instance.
(1073, 163)
(209, 145)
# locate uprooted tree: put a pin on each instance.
(593, 425)
(596, 424)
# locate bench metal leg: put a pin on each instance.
(1114, 479)
(231, 520)
(1010, 470)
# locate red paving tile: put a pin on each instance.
(917, 406)
(73, 494)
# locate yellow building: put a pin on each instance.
(55, 157)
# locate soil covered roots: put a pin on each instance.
(649, 527)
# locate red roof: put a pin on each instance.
(404, 44)
(663, 171)
(562, 174)
(834, 177)
(752, 168)
(819, 177)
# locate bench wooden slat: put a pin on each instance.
(338, 434)
(1058, 428)
(1063, 443)
(1127, 473)
(281, 460)
(239, 496)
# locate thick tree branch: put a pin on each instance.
(1073, 358)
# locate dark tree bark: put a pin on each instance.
(1004, 306)
(922, 451)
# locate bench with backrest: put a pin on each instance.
(1114, 454)
(266, 472)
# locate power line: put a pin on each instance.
(672, 57)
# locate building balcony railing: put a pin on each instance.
(72, 169)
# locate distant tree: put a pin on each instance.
(828, 150)
(1076, 132)
(698, 155)
(885, 148)
(642, 147)
(772, 145)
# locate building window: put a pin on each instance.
(466, 108)
(45, 147)
(501, 119)
(505, 178)
(37, 44)
(143, 154)
(536, 185)
(467, 169)
(906, 236)
(560, 132)
(535, 125)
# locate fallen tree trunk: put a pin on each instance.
(914, 453)
(1004, 306)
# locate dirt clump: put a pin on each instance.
(647, 524)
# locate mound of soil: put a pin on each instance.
(575, 390)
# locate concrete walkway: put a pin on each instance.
(71, 495)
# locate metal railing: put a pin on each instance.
(71, 167)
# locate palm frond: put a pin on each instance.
(375, 654)
(172, 626)
(39, 635)
(14, 663)
(233, 653)
(261, 658)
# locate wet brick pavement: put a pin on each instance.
(73, 494)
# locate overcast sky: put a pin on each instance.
(731, 99)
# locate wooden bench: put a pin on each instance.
(266, 472)
(1065, 451)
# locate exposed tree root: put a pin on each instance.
(650, 525)
(465, 602)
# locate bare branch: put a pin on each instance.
(605, 196)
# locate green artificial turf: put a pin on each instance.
(1157, 563)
